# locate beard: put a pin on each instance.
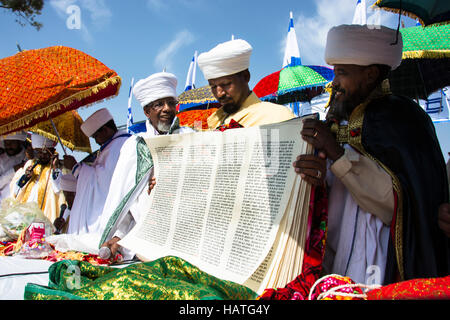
(341, 109)
(163, 127)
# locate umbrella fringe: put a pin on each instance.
(68, 144)
(23, 122)
(403, 12)
(426, 54)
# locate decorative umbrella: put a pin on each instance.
(68, 127)
(198, 98)
(426, 62)
(36, 85)
(196, 118)
(293, 83)
(426, 11)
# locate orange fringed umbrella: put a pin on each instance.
(68, 127)
(36, 85)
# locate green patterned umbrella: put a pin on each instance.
(293, 83)
(426, 61)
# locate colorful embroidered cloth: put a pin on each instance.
(36, 84)
(423, 289)
(167, 278)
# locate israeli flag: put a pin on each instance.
(360, 13)
(190, 79)
(291, 52)
(129, 115)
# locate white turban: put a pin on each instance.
(225, 59)
(68, 183)
(41, 142)
(157, 86)
(22, 136)
(97, 120)
(363, 45)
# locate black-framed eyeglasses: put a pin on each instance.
(158, 105)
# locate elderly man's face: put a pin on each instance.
(350, 88)
(161, 113)
(231, 91)
(13, 147)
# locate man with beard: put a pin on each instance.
(35, 182)
(386, 174)
(93, 180)
(11, 160)
(226, 69)
(157, 96)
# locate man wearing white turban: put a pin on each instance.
(94, 179)
(386, 172)
(35, 182)
(226, 69)
(157, 96)
(11, 160)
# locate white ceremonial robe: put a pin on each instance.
(126, 191)
(357, 240)
(7, 172)
(93, 183)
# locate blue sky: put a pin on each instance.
(139, 37)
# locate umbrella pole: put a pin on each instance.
(57, 134)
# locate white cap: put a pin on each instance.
(157, 86)
(363, 45)
(68, 183)
(41, 142)
(97, 120)
(21, 135)
(225, 59)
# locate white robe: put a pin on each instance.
(357, 241)
(7, 172)
(123, 181)
(93, 183)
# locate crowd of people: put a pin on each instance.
(377, 154)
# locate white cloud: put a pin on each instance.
(312, 30)
(166, 54)
(156, 5)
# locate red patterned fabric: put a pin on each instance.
(232, 125)
(36, 84)
(423, 289)
(267, 85)
(299, 288)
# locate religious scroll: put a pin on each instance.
(229, 203)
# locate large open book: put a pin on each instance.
(228, 202)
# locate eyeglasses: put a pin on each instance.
(158, 105)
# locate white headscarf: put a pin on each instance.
(22, 136)
(225, 59)
(363, 45)
(40, 142)
(157, 86)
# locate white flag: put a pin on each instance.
(190, 79)
(360, 13)
(129, 114)
(291, 53)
